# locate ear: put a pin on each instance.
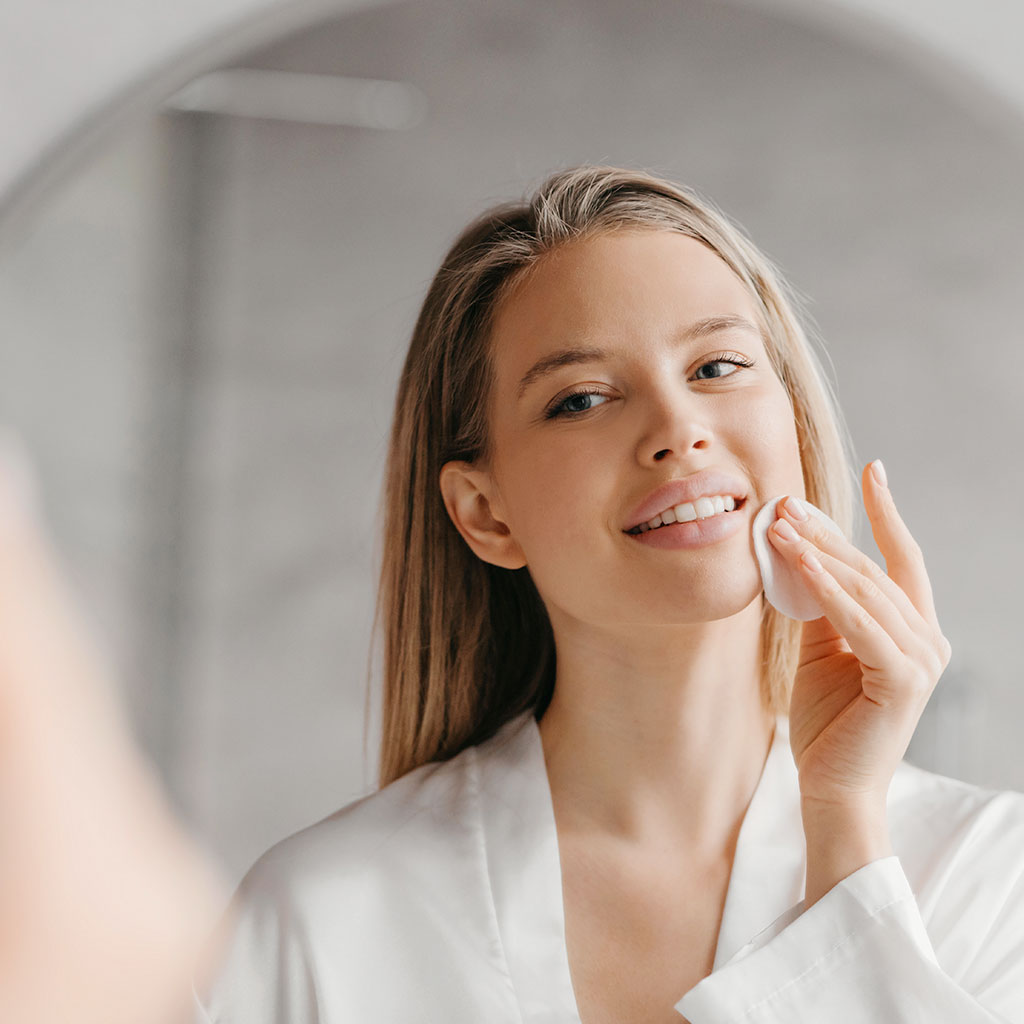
(475, 509)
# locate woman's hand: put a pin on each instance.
(104, 901)
(866, 671)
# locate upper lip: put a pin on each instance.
(689, 488)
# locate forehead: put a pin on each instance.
(616, 288)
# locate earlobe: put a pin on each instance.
(469, 496)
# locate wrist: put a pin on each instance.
(841, 839)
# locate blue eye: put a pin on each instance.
(571, 405)
(733, 360)
(562, 408)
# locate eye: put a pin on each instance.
(575, 403)
(732, 359)
(570, 405)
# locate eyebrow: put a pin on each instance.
(588, 354)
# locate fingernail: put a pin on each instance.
(811, 561)
(795, 508)
(878, 471)
(785, 531)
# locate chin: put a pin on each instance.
(704, 599)
(727, 609)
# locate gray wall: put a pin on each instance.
(60, 92)
(208, 384)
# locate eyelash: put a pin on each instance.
(557, 410)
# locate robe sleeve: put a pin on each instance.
(861, 955)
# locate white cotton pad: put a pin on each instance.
(783, 586)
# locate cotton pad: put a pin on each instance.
(783, 586)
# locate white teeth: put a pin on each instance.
(689, 511)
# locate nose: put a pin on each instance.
(675, 424)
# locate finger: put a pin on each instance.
(869, 642)
(834, 544)
(862, 591)
(904, 560)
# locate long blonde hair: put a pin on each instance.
(468, 645)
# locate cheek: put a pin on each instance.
(555, 488)
(774, 436)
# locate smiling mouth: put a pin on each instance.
(692, 514)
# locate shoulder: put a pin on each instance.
(382, 906)
(352, 918)
(429, 808)
(420, 833)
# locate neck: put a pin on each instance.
(658, 734)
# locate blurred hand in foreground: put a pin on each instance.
(104, 902)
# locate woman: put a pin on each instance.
(594, 805)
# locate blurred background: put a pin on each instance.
(220, 222)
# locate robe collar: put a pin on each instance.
(521, 850)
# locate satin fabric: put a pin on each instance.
(438, 900)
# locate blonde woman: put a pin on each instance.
(617, 784)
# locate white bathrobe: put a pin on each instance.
(438, 900)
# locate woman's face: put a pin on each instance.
(673, 395)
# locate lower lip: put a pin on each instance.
(697, 534)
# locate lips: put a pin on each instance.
(706, 483)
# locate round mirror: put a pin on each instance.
(206, 321)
